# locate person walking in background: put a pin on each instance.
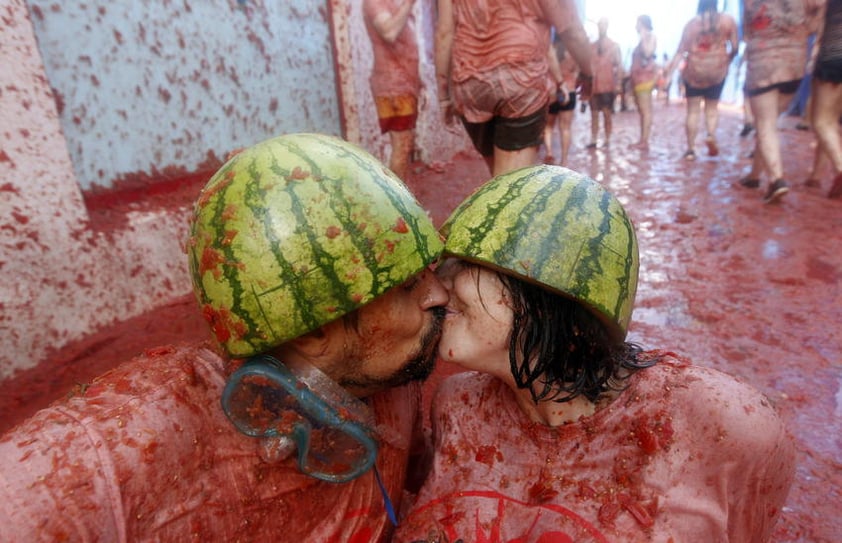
(644, 73)
(826, 106)
(748, 117)
(491, 71)
(607, 67)
(664, 81)
(775, 32)
(395, 80)
(565, 72)
(708, 44)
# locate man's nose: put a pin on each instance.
(433, 293)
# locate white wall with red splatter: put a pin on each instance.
(58, 279)
(94, 93)
(146, 85)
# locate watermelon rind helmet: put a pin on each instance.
(297, 231)
(556, 228)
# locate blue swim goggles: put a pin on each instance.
(332, 431)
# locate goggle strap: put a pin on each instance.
(387, 501)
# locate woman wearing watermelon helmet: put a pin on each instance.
(309, 260)
(564, 431)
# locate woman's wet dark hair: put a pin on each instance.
(559, 350)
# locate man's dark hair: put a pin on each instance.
(560, 350)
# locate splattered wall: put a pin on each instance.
(147, 86)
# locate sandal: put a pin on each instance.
(690, 155)
(750, 182)
(713, 149)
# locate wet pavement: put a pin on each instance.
(748, 288)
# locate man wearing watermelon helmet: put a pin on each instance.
(309, 260)
(564, 431)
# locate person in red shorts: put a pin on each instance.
(309, 260)
(395, 81)
(491, 72)
(560, 429)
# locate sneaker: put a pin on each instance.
(777, 189)
(690, 155)
(747, 129)
(713, 149)
(750, 182)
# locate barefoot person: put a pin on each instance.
(644, 74)
(607, 80)
(395, 80)
(561, 430)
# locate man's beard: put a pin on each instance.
(418, 367)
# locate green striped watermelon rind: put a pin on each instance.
(298, 231)
(557, 228)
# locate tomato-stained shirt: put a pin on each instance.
(684, 453)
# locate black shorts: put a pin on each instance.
(507, 134)
(570, 105)
(830, 71)
(786, 87)
(708, 93)
(603, 100)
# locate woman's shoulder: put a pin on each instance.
(737, 411)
